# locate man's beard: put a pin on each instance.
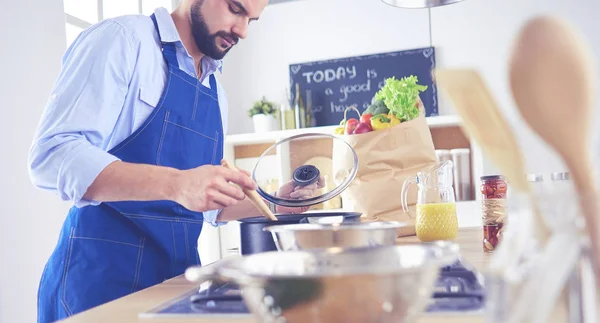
(206, 42)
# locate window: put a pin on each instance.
(114, 8)
(81, 14)
(72, 33)
(86, 10)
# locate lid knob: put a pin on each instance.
(306, 175)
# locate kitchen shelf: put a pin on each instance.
(273, 136)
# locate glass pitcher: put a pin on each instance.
(436, 217)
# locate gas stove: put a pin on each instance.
(458, 290)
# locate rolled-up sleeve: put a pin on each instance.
(211, 217)
(69, 148)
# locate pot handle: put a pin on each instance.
(211, 272)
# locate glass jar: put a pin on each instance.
(509, 290)
(537, 184)
(561, 182)
(493, 210)
(535, 178)
(566, 176)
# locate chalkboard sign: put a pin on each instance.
(337, 84)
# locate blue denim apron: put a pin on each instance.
(113, 249)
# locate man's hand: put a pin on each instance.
(291, 191)
(288, 191)
(210, 187)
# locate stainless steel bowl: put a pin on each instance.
(326, 235)
(384, 284)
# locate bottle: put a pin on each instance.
(310, 114)
(299, 109)
(462, 173)
(288, 119)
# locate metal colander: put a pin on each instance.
(383, 284)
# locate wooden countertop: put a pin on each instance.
(126, 309)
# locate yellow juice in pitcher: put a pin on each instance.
(436, 221)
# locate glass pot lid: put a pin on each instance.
(305, 170)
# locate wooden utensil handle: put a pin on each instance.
(256, 200)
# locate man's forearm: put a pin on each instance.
(122, 181)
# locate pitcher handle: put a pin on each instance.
(405, 187)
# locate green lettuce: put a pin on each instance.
(401, 96)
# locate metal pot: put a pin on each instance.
(384, 284)
(340, 235)
(253, 238)
(297, 171)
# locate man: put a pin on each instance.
(133, 135)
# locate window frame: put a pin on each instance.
(78, 22)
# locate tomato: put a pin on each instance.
(501, 188)
(366, 118)
(351, 125)
(494, 189)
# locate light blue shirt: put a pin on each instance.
(112, 77)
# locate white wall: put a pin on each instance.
(474, 33)
(480, 34)
(33, 40)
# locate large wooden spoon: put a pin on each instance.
(551, 76)
(254, 197)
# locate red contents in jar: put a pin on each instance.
(493, 188)
(492, 235)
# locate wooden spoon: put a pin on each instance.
(481, 120)
(551, 76)
(254, 197)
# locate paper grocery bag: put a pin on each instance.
(386, 158)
